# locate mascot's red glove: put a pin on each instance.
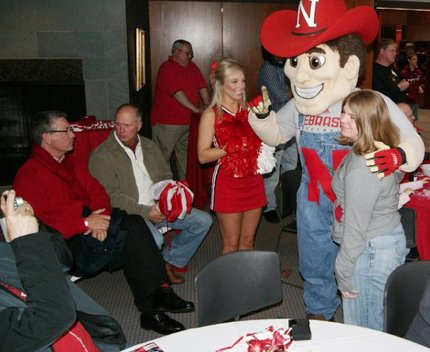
(385, 161)
(261, 105)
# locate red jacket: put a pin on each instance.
(415, 79)
(53, 197)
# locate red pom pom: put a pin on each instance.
(235, 135)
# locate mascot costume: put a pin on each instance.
(325, 47)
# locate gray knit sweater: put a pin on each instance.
(369, 207)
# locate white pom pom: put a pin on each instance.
(266, 159)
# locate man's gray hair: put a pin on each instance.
(132, 106)
(384, 43)
(179, 44)
(42, 122)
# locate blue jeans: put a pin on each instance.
(380, 257)
(317, 253)
(194, 228)
(286, 159)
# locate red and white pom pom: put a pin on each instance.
(175, 199)
(269, 340)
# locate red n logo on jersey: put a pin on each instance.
(318, 173)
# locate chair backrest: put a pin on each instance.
(408, 220)
(403, 292)
(288, 185)
(235, 284)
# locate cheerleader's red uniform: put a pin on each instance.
(236, 186)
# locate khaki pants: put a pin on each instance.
(173, 138)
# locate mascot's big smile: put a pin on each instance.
(309, 93)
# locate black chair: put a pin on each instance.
(235, 284)
(402, 295)
(408, 220)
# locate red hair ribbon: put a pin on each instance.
(214, 66)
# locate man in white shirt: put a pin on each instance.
(128, 165)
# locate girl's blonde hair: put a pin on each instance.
(373, 122)
(225, 68)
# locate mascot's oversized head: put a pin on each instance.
(325, 47)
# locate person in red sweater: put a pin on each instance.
(67, 198)
(416, 80)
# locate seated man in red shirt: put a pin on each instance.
(67, 198)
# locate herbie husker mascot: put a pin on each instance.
(325, 47)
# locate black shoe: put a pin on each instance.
(290, 227)
(271, 216)
(166, 300)
(160, 322)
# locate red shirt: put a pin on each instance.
(172, 78)
(53, 198)
(415, 79)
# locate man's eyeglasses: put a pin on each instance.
(69, 129)
(190, 54)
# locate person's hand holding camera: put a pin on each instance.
(20, 220)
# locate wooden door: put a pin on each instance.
(241, 36)
(197, 22)
(215, 30)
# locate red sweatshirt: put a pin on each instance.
(58, 192)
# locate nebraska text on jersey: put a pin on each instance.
(321, 124)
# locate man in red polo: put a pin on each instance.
(178, 89)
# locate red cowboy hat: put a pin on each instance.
(291, 33)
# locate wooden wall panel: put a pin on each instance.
(197, 22)
(366, 81)
(416, 33)
(241, 36)
(393, 17)
(418, 17)
(215, 29)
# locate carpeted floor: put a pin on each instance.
(112, 292)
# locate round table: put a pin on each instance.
(326, 337)
(420, 202)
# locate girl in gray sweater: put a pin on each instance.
(367, 224)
